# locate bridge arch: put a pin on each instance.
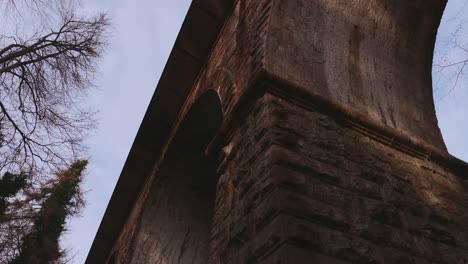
(176, 222)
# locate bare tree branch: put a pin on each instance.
(42, 80)
(450, 67)
(45, 74)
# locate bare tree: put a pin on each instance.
(450, 66)
(44, 78)
(48, 58)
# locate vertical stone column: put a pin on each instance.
(303, 187)
(370, 57)
(334, 154)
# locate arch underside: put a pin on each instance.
(176, 219)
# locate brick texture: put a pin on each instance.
(306, 188)
(325, 151)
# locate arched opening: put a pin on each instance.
(176, 220)
(450, 77)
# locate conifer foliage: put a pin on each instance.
(43, 220)
(10, 185)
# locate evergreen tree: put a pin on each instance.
(41, 244)
(10, 185)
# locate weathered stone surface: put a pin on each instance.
(373, 57)
(301, 198)
(328, 151)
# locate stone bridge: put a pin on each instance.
(293, 131)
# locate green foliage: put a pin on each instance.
(10, 185)
(41, 244)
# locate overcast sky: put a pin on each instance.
(144, 32)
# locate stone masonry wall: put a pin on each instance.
(175, 223)
(299, 187)
(237, 55)
(373, 57)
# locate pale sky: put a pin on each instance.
(144, 32)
